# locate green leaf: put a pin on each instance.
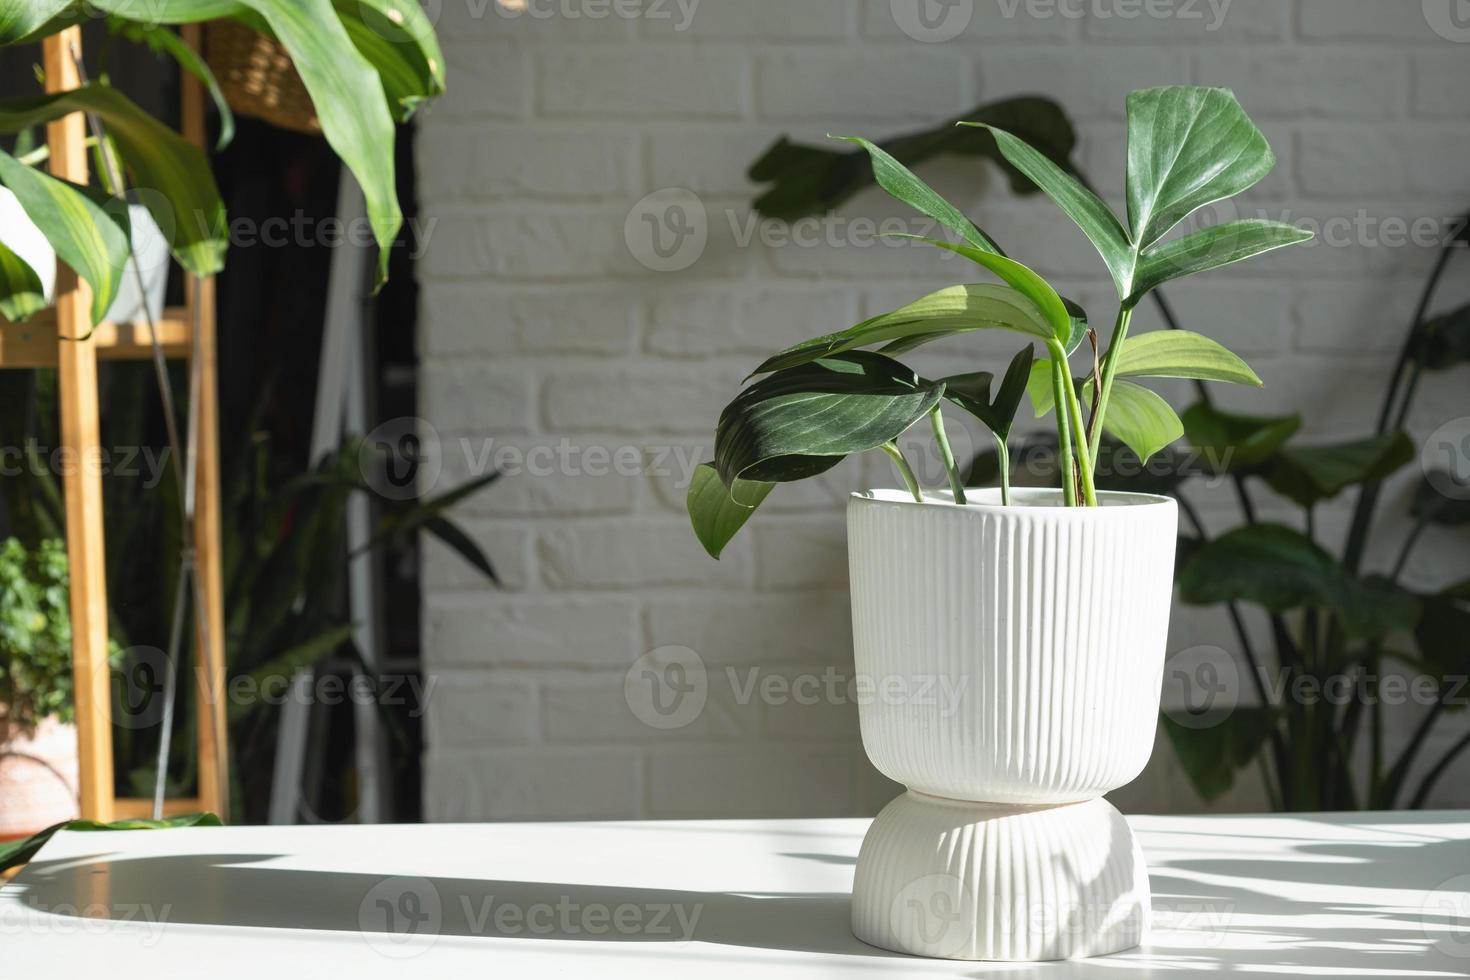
(971, 392)
(160, 39)
(1139, 418)
(955, 309)
(901, 184)
(345, 90)
(1187, 147)
(1234, 442)
(1212, 248)
(1181, 354)
(1058, 313)
(1213, 750)
(184, 200)
(1310, 474)
(15, 853)
(1440, 634)
(1444, 341)
(1040, 388)
(1084, 207)
(22, 19)
(1433, 506)
(454, 537)
(349, 100)
(811, 180)
(282, 668)
(21, 292)
(1279, 569)
(803, 420)
(713, 509)
(91, 239)
(397, 38)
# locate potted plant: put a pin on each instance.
(38, 744)
(1047, 607)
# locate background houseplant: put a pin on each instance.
(364, 64)
(366, 68)
(37, 740)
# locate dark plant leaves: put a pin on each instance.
(802, 421)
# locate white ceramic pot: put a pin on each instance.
(38, 778)
(22, 236)
(989, 881)
(1037, 630)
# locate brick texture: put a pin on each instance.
(583, 340)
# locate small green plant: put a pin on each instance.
(35, 635)
(830, 397)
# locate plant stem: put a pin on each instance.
(947, 455)
(1409, 542)
(1422, 794)
(1074, 413)
(1110, 360)
(1059, 383)
(1003, 458)
(1367, 501)
(902, 465)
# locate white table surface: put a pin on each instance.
(1263, 896)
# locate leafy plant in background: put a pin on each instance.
(829, 397)
(284, 546)
(35, 636)
(1327, 618)
(1347, 626)
(366, 63)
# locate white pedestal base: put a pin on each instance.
(992, 881)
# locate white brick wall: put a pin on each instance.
(552, 351)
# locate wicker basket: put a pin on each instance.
(257, 76)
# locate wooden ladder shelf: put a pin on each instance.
(37, 343)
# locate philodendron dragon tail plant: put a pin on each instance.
(844, 393)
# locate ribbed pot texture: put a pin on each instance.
(985, 881)
(1014, 653)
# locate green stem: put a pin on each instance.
(1409, 542)
(1422, 794)
(1003, 459)
(1110, 360)
(1060, 383)
(1074, 413)
(947, 455)
(902, 465)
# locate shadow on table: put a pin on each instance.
(237, 890)
(1248, 907)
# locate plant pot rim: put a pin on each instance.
(1029, 501)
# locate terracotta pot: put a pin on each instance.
(38, 779)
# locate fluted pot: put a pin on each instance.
(1013, 654)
